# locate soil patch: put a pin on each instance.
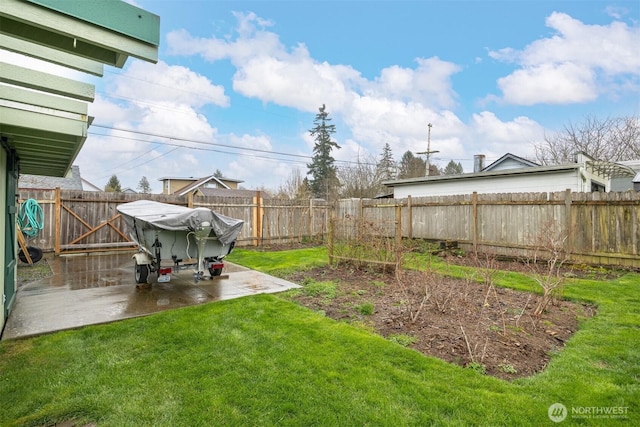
(471, 324)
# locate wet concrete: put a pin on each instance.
(93, 289)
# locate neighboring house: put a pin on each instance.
(626, 183)
(636, 182)
(87, 186)
(513, 174)
(44, 117)
(71, 181)
(129, 190)
(197, 186)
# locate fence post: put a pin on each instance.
(410, 219)
(474, 202)
(360, 219)
(311, 219)
(331, 239)
(398, 237)
(57, 214)
(567, 221)
(257, 219)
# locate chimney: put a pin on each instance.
(478, 163)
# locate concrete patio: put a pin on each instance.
(93, 289)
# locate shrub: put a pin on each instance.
(366, 308)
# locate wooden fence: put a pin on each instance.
(603, 228)
(86, 221)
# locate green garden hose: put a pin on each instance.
(30, 218)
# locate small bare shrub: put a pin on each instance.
(415, 301)
(546, 263)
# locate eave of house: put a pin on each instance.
(43, 117)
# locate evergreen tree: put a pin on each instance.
(113, 185)
(144, 185)
(386, 167)
(434, 170)
(453, 168)
(411, 166)
(324, 181)
(218, 174)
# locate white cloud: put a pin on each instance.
(167, 83)
(159, 102)
(393, 108)
(550, 84)
(269, 71)
(496, 137)
(429, 83)
(577, 64)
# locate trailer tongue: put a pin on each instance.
(172, 238)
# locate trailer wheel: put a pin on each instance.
(215, 271)
(141, 272)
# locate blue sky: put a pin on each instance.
(238, 83)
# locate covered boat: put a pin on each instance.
(179, 236)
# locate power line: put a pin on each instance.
(195, 141)
(209, 144)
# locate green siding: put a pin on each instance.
(9, 169)
(114, 15)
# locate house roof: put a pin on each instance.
(512, 158)
(71, 182)
(598, 167)
(191, 178)
(87, 186)
(199, 183)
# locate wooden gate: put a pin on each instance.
(80, 224)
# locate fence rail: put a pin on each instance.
(603, 228)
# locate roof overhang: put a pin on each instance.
(43, 117)
(106, 31)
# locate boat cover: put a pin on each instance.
(179, 218)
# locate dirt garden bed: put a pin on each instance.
(462, 321)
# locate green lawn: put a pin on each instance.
(266, 361)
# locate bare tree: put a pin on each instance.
(294, 187)
(612, 139)
(144, 185)
(360, 180)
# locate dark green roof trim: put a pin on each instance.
(114, 15)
